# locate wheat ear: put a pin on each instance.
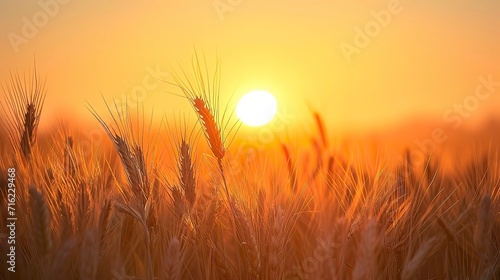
(41, 219)
(172, 260)
(246, 235)
(104, 222)
(290, 165)
(220, 263)
(186, 173)
(25, 98)
(210, 128)
(69, 158)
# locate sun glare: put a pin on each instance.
(256, 108)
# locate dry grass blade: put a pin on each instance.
(25, 97)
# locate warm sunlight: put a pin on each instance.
(252, 140)
(256, 108)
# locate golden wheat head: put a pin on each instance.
(24, 102)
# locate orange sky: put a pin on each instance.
(427, 57)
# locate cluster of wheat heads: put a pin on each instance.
(137, 209)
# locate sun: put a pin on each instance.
(256, 108)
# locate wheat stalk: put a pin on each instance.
(178, 202)
(366, 257)
(277, 244)
(481, 232)
(89, 256)
(104, 222)
(210, 216)
(291, 167)
(130, 152)
(25, 97)
(41, 218)
(213, 135)
(187, 175)
(246, 236)
(141, 218)
(63, 260)
(321, 129)
(221, 264)
(69, 158)
(172, 260)
(212, 132)
(131, 166)
(204, 97)
(411, 266)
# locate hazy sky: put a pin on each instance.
(419, 58)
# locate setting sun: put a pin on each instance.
(256, 108)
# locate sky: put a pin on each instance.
(360, 64)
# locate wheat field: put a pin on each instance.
(176, 202)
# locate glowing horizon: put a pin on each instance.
(359, 65)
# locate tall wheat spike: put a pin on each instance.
(24, 102)
(186, 173)
(130, 153)
(203, 94)
(210, 128)
(69, 157)
(104, 222)
(130, 164)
